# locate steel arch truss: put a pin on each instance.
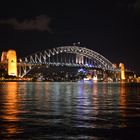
(68, 55)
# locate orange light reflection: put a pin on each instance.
(10, 109)
(123, 104)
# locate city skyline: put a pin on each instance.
(110, 28)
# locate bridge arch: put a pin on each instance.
(69, 56)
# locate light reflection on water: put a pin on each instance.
(67, 109)
(9, 108)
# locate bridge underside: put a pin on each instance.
(67, 73)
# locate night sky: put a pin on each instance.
(112, 27)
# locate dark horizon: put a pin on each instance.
(109, 28)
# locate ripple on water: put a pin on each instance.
(69, 111)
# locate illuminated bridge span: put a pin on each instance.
(69, 56)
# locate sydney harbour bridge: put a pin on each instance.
(72, 56)
(69, 56)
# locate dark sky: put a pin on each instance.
(110, 27)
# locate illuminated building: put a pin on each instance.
(12, 62)
(122, 68)
(88, 77)
(95, 78)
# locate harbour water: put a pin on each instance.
(69, 110)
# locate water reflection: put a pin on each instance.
(51, 109)
(123, 104)
(9, 110)
(95, 99)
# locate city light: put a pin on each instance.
(62, 58)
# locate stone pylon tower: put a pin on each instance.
(122, 68)
(12, 62)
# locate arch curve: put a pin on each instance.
(43, 57)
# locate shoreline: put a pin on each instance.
(25, 80)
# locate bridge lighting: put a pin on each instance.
(20, 60)
(95, 78)
(86, 64)
(74, 44)
(90, 65)
(81, 70)
(78, 43)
